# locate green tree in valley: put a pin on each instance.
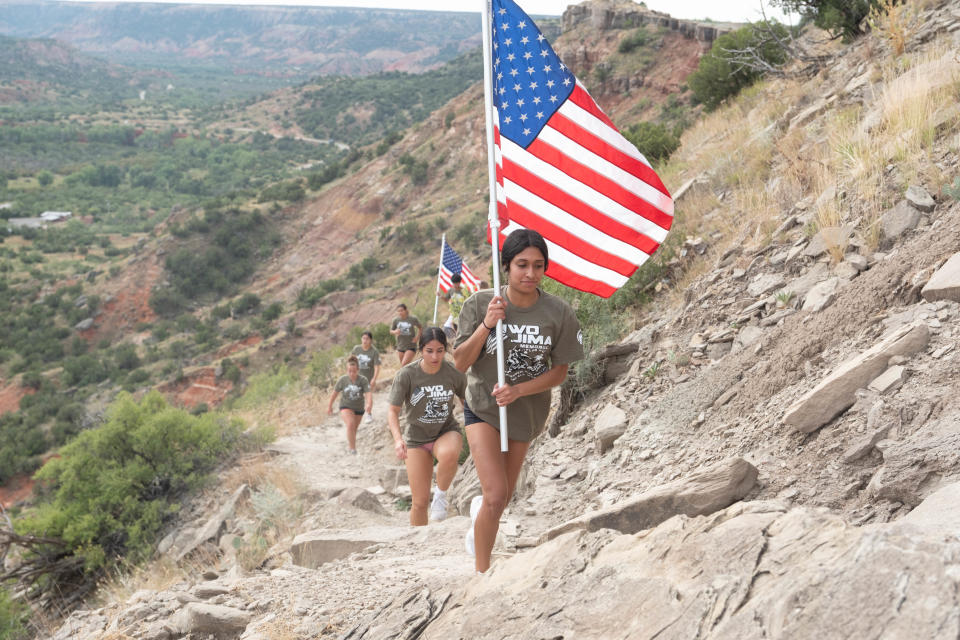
(839, 17)
(719, 77)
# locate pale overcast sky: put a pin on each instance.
(728, 10)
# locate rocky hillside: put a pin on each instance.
(278, 40)
(379, 209)
(770, 452)
(32, 70)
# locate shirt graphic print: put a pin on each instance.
(528, 350)
(352, 392)
(439, 402)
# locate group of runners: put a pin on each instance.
(541, 338)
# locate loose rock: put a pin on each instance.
(920, 199)
(945, 283)
(610, 425)
(702, 493)
(836, 392)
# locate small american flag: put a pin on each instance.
(451, 263)
(564, 170)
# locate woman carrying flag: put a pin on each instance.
(541, 338)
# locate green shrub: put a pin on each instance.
(325, 366)
(82, 370)
(653, 140)
(114, 485)
(286, 191)
(953, 190)
(126, 358)
(231, 371)
(248, 303)
(839, 17)
(416, 169)
(266, 386)
(717, 78)
(309, 296)
(227, 256)
(409, 232)
(272, 312)
(382, 339)
(639, 38)
(13, 617)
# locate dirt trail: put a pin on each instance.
(337, 595)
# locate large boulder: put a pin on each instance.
(361, 499)
(765, 283)
(315, 548)
(752, 571)
(920, 199)
(609, 426)
(821, 295)
(212, 619)
(898, 220)
(836, 393)
(945, 283)
(939, 512)
(710, 490)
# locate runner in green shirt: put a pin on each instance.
(356, 399)
(407, 330)
(369, 359)
(425, 389)
(541, 338)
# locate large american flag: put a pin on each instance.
(451, 263)
(564, 170)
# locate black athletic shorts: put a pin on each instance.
(469, 417)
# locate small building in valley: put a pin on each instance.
(52, 217)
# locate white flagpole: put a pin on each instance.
(436, 300)
(493, 218)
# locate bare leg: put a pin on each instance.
(447, 452)
(419, 472)
(350, 421)
(497, 472)
(407, 357)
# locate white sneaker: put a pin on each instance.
(475, 505)
(368, 418)
(438, 507)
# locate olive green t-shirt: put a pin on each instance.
(427, 400)
(535, 339)
(351, 392)
(367, 360)
(407, 331)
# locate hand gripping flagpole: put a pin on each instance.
(494, 219)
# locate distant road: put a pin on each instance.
(342, 146)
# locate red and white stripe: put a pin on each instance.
(466, 278)
(591, 194)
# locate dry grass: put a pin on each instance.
(895, 22)
(158, 575)
(261, 469)
(280, 628)
(911, 100)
